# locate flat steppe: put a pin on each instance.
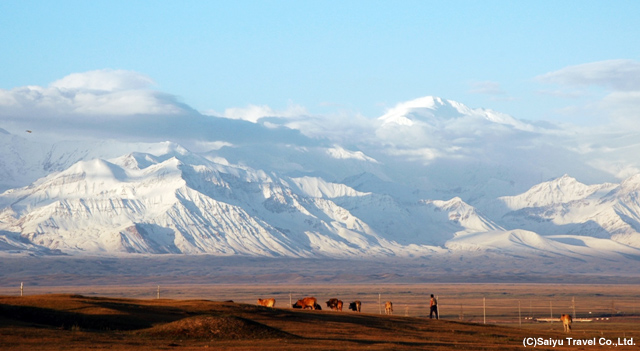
(226, 317)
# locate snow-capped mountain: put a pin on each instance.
(561, 190)
(179, 202)
(523, 243)
(433, 110)
(566, 206)
(427, 183)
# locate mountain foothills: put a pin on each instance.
(430, 177)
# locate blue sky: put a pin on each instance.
(535, 60)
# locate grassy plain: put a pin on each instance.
(196, 317)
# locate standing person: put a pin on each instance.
(433, 305)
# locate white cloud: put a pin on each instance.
(210, 145)
(102, 92)
(492, 89)
(565, 94)
(487, 88)
(421, 155)
(618, 100)
(617, 75)
(337, 127)
(253, 113)
(104, 80)
(113, 104)
(623, 107)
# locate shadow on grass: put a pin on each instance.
(70, 320)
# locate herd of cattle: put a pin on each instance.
(334, 304)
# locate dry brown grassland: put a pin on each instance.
(196, 317)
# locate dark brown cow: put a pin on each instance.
(307, 302)
(267, 302)
(355, 306)
(566, 322)
(334, 304)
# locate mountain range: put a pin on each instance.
(431, 177)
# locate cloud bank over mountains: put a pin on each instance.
(424, 132)
(94, 93)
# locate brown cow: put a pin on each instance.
(388, 307)
(566, 322)
(307, 302)
(334, 304)
(355, 306)
(267, 302)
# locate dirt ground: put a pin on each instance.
(200, 317)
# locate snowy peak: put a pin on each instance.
(421, 109)
(561, 190)
(432, 110)
(340, 153)
(630, 185)
(565, 206)
(317, 187)
(135, 161)
(462, 214)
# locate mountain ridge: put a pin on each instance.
(387, 195)
(179, 202)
